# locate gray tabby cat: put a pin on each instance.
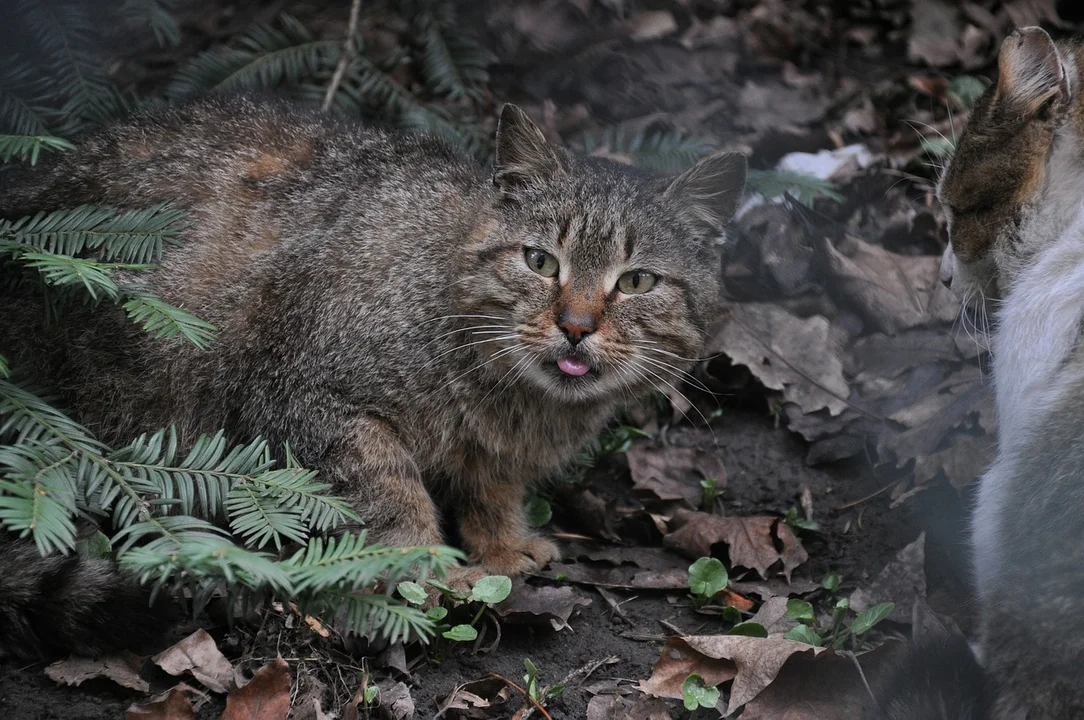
(426, 336)
(1014, 196)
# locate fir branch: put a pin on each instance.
(38, 493)
(76, 77)
(29, 147)
(26, 417)
(454, 65)
(5, 369)
(666, 151)
(265, 57)
(158, 16)
(350, 49)
(772, 184)
(129, 236)
(163, 320)
(24, 106)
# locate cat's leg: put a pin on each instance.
(494, 527)
(377, 474)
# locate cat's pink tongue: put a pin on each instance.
(573, 366)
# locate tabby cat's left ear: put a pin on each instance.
(711, 189)
(523, 155)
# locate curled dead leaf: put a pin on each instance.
(532, 605)
(173, 705)
(749, 540)
(265, 697)
(198, 655)
(123, 669)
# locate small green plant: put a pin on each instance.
(539, 693)
(695, 694)
(539, 510)
(797, 522)
(488, 591)
(830, 582)
(710, 492)
(707, 578)
(840, 632)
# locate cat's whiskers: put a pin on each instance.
(641, 344)
(492, 358)
(520, 368)
(460, 317)
(473, 330)
(682, 374)
(658, 377)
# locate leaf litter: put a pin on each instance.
(836, 330)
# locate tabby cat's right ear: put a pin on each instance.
(1030, 75)
(523, 155)
(711, 190)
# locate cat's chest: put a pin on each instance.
(526, 433)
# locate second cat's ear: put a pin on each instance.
(711, 189)
(523, 154)
(1030, 75)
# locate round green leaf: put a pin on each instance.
(830, 582)
(694, 694)
(707, 576)
(749, 629)
(412, 592)
(491, 589)
(800, 610)
(539, 511)
(804, 634)
(867, 619)
(436, 614)
(462, 633)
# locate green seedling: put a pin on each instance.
(749, 629)
(840, 632)
(707, 578)
(830, 582)
(488, 591)
(695, 694)
(710, 492)
(800, 523)
(537, 692)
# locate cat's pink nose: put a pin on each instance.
(576, 326)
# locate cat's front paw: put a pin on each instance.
(522, 555)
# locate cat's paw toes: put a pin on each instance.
(521, 556)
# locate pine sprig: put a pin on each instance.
(29, 147)
(454, 64)
(805, 188)
(156, 15)
(163, 320)
(265, 56)
(666, 151)
(128, 236)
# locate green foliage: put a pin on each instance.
(695, 694)
(710, 493)
(805, 188)
(830, 582)
(665, 151)
(413, 593)
(799, 523)
(749, 629)
(491, 589)
(867, 619)
(800, 610)
(156, 15)
(537, 692)
(454, 64)
(804, 634)
(707, 578)
(964, 90)
(461, 633)
(29, 147)
(539, 511)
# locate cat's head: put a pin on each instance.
(1012, 165)
(599, 278)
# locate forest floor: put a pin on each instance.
(823, 451)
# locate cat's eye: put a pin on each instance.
(541, 262)
(636, 282)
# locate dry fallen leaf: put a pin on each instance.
(265, 697)
(785, 352)
(749, 540)
(532, 605)
(487, 698)
(123, 669)
(825, 687)
(752, 662)
(198, 655)
(892, 292)
(174, 705)
(673, 473)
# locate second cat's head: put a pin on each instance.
(1016, 176)
(600, 278)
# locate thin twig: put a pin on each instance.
(350, 48)
(524, 693)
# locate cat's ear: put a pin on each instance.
(1030, 75)
(523, 154)
(711, 189)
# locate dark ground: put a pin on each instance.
(768, 78)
